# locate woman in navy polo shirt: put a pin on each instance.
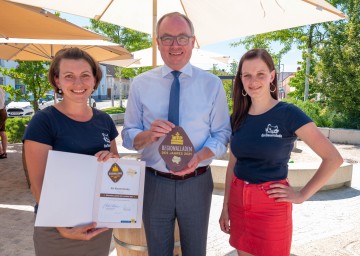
(70, 126)
(257, 211)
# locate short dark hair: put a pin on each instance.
(73, 54)
(171, 14)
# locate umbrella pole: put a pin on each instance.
(154, 34)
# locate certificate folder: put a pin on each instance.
(78, 190)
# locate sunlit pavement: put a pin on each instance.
(327, 224)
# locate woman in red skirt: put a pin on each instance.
(257, 210)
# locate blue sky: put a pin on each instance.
(289, 61)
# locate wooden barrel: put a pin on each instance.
(132, 241)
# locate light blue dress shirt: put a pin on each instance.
(203, 111)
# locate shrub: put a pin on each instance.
(228, 91)
(315, 110)
(115, 110)
(15, 128)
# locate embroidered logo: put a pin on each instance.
(271, 131)
(106, 137)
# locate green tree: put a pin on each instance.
(34, 75)
(130, 39)
(307, 38)
(227, 83)
(340, 67)
(130, 72)
(285, 38)
(297, 81)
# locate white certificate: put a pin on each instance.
(77, 190)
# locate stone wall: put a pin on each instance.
(342, 136)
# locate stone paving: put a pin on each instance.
(328, 224)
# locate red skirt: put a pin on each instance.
(259, 225)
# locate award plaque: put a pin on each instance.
(176, 149)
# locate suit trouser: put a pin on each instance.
(188, 201)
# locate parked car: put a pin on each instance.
(47, 100)
(44, 104)
(24, 108)
(21, 108)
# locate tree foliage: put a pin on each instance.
(130, 72)
(227, 83)
(315, 110)
(297, 81)
(34, 75)
(130, 39)
(285, 38)
(335, 61)
(306, 38)
(340, 66)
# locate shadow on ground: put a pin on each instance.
(335, 194)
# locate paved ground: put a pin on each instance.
(328, 224)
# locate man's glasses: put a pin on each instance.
(169, 40)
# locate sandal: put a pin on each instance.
(3, 155)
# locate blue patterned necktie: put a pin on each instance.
(173, 115)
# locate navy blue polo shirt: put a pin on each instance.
(263, 143)
(50, 126)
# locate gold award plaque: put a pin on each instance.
(115, 173)
(176, 149)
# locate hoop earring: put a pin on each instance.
(274, 90)
(244, 94)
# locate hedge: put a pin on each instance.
(15, 128)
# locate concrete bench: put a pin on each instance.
(118, 118)
(299, 174)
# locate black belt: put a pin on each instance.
(198, 171)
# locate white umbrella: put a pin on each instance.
(214, 20)
(199, 58)
(41, 49)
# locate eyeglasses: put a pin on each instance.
(169, 40)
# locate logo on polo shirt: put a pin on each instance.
(271, 131)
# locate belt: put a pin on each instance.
(198, 171)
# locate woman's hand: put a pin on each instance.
(103, 156)
(224, 220)
(86, 232)
(284, 193)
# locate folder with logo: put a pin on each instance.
(78, 190)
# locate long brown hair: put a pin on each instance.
(241, 104)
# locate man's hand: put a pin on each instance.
(86, 232)
(158, 129)
(191, 166)
(203, 154)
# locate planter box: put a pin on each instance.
(299, 175)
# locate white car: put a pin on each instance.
(20, 108)
(23, 108)
(43, 103)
